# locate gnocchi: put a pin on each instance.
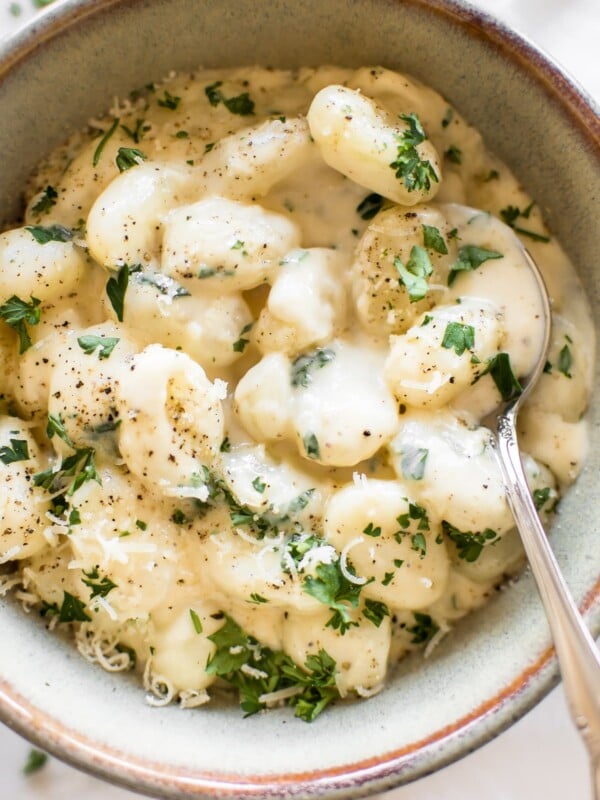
(251, 327)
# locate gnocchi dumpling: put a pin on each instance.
(401, 268)
(306, 304)
(30, 269)
(207, 328)
(125, 223)
(445, 352)
(171, 421)
(222, 245)
(390, 542)
(23, 505)
(360, 139)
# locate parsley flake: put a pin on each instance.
(240, 345)
(412, 462)
(458, 337)
(375, 611)
(18, 451)
(116, 287)
(311, 445)
(47, 199)
(499, 367)
(303, 367)
(469, 258)
(128, 157)
(100, 587)
(469, 544)
(196, 622)
(433, 240)
(104, 344)
(242, 104)
(103, 141)
(169, 101)
(18, 314)
(372, 530)
(424, 628)
(35, 761)
(414, 275)
(370, 206)
(565, 361)
(510, 216)
(49, 233)
(408, 165)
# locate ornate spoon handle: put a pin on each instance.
(577, 654)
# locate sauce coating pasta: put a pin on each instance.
(252, 323)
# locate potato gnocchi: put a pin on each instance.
(252, 324)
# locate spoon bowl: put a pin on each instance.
(578, 657)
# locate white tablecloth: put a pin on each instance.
(539, 758)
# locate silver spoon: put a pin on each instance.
(578, 657)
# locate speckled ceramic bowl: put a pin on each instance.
(66, 67)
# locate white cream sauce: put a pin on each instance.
(274, 400)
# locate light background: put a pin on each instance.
(540, 757)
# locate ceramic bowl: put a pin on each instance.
(66, 67)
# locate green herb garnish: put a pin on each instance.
(469, 544)
(414, 275)
(18, 451)
(459, 337)
(117, 286)
(104, 344)
(370, 206)
(408, 165)
(303, 367)
(128, 157)
(18, 314)
(47, 200)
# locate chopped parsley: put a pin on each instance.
(331, 587)
(541, 497)
(169, 101)
(178, 517)
(375, 611)
(242, 104)
(128, 157)
(196, 622)
(103, 141)
(418, 543)
(372, 530)
(100, 587)
(259, 485)
(499, 367)
(469, 258)
(258, 598)
(414, 275)
(469, 544)
(303, 367)
(81, 466)
(225, 445)
(18, 451)
(415, 513)
(448, 117)
(311, 445)
(35, 761)
(257, 671)
(424, 628)
(49, 233)
(510, 216)
(72, 610)
(104, 344)
(565, 361)
(116, 287)
(408, 165)
(412, 462)
(164, 283)
(138, 132)
(433, 240)
(18, 314)
(459, 337)
(454, 154)
(370, 206)
(47, 199)
(240, 345)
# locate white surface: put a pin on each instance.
(539, 758)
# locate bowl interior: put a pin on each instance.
(66, 67)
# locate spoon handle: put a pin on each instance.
(577, 654)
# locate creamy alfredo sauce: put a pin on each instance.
(252, 322)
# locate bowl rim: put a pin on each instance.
(419, 758)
